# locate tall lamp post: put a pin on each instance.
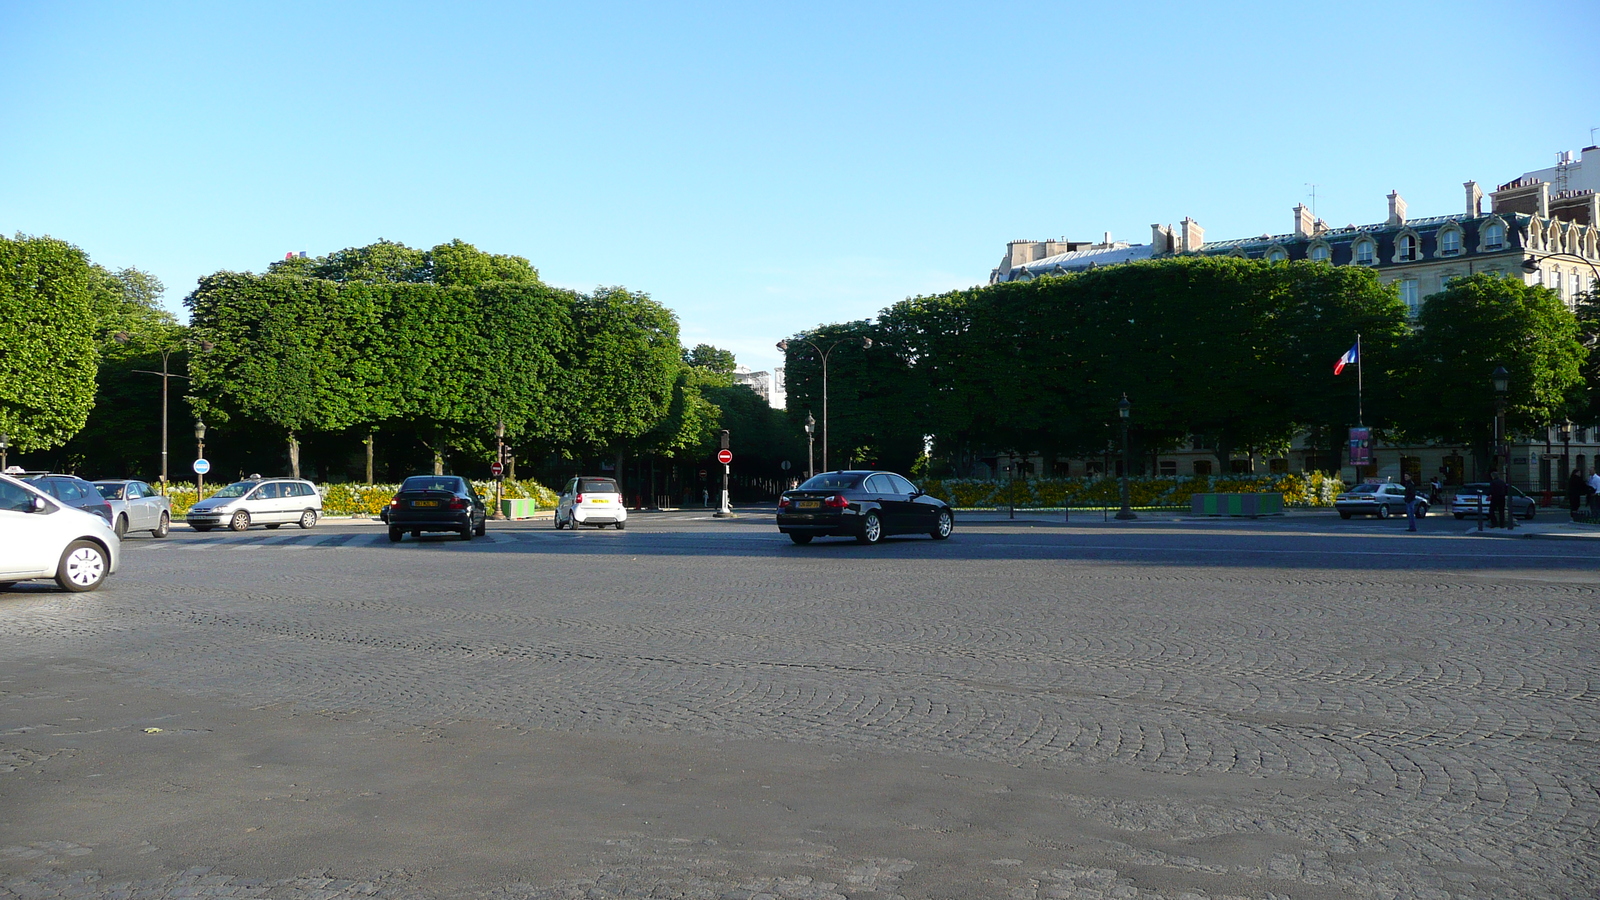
(1502, 447)
(1124, 408)
(199, 453)
(1564, 431)
(5, 445)
(783, 346)
(500, 476)
(123, 337)
(811, 440)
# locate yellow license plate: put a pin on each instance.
(598, 500)
(810, 504)
(424, 503)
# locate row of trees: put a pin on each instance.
(1233, 353)
(420, 353)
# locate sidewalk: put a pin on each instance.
(1551, 524)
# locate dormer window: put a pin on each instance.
(1366, 253)
(1449, 242)
(1494, 236)
(1405, 248)
(1277, 255)
(1320, 253)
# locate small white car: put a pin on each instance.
(258, 501)
(41, 537)
(591, 501)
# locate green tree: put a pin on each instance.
(48, 358)
(1463, 333)
(712, 359)
(622, 367)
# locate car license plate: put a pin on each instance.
(598, 500)
(810, 504)
(424, 503)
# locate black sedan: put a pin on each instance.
(436, 503)
(864, 505)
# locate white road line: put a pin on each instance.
(1318, 552)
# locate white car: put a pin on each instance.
(258, 501)
(591, 501)
(41, 537)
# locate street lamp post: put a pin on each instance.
(500, 460)
(783, 346)
(199, 453)
(5, 445)
(1123, 410)
(811, 440)
(1564, 431)
(1502, 448)
(123, 337)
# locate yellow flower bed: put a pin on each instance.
(370, 499)
(1298, 489)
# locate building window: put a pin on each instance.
(1202, 467)
(1364, 253)
(1577, 287)
(1449, 242)
(1278, 466)
(1494, 236)
(1406, 248)
(1168, 467)
(1411, 296)
(1277, 254)
(1320, 253)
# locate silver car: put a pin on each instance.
(268, 501)
(136, 506)
(43, 537)
(1381, 500)
(1473, 500)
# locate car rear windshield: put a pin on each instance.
(832, 481)
(431, 483)
(1364, 489)
(597, 486)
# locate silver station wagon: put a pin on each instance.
(268, 501)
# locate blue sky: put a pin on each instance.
(759, 169)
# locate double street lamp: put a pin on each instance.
(783, 346)
(1124, 408)
(166, 351)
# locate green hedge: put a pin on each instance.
(369, 499)
(1304, 489)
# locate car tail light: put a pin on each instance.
(837, 501)
(395, 503)
(458, 503)
(577, 498)
(783, 502)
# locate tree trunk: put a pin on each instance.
(1224, 454)
(370, 437)
(438, 461)
(294, 455)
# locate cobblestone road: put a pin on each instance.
(1022, 712)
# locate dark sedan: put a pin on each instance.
(436, 503)
(867, 506)
(73, 491)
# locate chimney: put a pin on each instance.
(1397, 209)
(1193, 235)
(1302, 221)
(1161, 242)
(1474, 199)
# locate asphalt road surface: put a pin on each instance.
(696, 708)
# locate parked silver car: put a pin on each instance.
(1381, 500)
(269, 501)
(136, 506)
(1473, 500)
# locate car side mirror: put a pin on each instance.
(39, 505)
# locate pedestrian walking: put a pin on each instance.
(1411, 502)
(1577, 487)
(1436, 491)
(1498, 492)
(1594, 494)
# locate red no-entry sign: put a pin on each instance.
(724, 456)
(495, 469)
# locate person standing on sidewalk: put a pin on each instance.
(1498, 492)
(1411, 502)
(1594, 493)
(1576, 488)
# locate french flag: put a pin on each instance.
(1349, 359)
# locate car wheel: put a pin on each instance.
(164, 527)
(944, 526)
(201, 528)
(83, 567)
(6, 586)
(799, 538)
(621, 525)
(466, 532)
(871, 529)
(272, 527)
(240, 521)
(1383, 511)
(1422, 510)
(1344, 515)
(1531, 510)
(396, 535)
(308, 519)
(483, 528)
(121, 528)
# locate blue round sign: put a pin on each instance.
(202, 466)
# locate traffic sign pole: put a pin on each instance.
(725, 456)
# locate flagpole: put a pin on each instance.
(1361, 419)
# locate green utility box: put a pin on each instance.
(1251, 505)
(518, 509)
